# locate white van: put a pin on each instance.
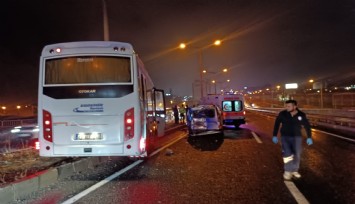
(204, 120)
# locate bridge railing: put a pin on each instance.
(332, 119)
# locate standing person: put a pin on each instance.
(176, 114)
(292, 120)
(188, 115)
(182, 113)
(186, 110)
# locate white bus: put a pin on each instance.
(96, 99)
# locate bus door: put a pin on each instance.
(151, 127)
(160, 111)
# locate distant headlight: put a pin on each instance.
(35, 130)
(15, 130)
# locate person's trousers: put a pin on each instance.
(291, 152)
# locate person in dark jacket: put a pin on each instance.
(292, 120)
(176, 114)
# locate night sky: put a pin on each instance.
(263, 42)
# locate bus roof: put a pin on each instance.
(103, 47)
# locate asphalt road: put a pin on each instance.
(230, 169)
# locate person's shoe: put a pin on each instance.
(287, 175)
(296, 174)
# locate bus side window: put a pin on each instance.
(149, 102)
(142, 88)
(159, 100)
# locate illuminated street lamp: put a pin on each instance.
(311, 81)
(225, 70)
(204, 71)
(228, 80)
(217, 42)
(200, 60)
(182, 46)
(3, 109)
(18, 109)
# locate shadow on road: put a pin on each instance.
(206, 142)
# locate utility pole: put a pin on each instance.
(105, 21)
(201, 69)
(321, 95)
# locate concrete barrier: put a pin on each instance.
(23, 189)
(48, 178)
(7, 194)
(81, 165)
(93, 162)
(65, 171)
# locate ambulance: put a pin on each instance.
(232, 106)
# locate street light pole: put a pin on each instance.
(105, 21)
(200, 63)
(215, 86)
(321, 92)
(272, 98)
(321, 95)
(201, 70)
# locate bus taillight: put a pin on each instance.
(47, 126)
(129, 124)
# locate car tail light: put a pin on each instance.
(47, 126)
(37, 145)
(129, 124)
(142, 144)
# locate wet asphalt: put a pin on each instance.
(233, 168)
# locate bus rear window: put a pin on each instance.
(88, 69)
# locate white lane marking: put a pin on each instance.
(101, 183)
(115, 175)
(256, 137)
(299, 197)
(335, 135)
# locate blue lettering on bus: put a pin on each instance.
(89, 108)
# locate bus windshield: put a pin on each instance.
(87, 69)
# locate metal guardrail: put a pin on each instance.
(324, 120)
